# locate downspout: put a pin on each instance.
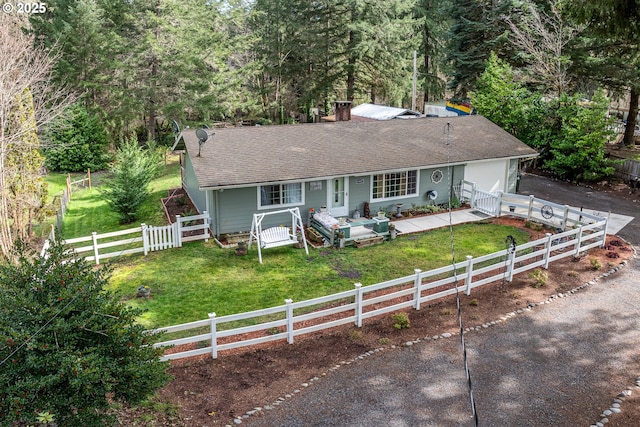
(207, 207)
(216, 219)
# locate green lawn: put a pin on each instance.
(199, 278)
(189, 282)
(89, 212)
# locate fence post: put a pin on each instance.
(89, 177)
(469, 278)
(94, 236)
(214, 338)
(578, 243)
(499, 205)
(604, 230)
(511, 264)
(178, 232)
(417, 289)
(205, 221)
(145, 238)
(547, 252)
(69, 185)
(531, 197)
(62, 204)
(565, 217)
(473, 196)
(289, 303)
(358, 304)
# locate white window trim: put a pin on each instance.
(384, 199)
(282, 205)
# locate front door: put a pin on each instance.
(338, 195)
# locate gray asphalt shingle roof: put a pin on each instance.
(251, 155)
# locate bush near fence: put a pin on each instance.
(353, 307)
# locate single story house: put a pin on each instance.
(237, 172)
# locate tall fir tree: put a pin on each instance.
(608, 50)
(432, 23)
(477, 30)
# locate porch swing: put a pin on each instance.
(274, 237)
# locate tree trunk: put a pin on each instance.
(351, 77)
(630, 128)
(427, 71)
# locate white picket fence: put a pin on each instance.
(295, 318)
(151, 238)
(528, 207)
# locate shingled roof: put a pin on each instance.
(240, 157)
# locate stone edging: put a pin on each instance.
(615, 406)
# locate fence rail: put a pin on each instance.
(153, 238)
(354, 306)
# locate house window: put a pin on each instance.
(394, 184)
(277, 195)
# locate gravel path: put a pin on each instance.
(559, 364)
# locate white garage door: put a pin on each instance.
(489, 176)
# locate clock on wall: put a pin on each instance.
(436, 176)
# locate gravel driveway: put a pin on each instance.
(559, 364)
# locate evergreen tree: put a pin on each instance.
(608, 50)
(68, 344)
(131, 172)
(499, 96)
(432, 23)
(88, 54)
(477, 30)
(577, 153)
(76, 141)
(380, 50)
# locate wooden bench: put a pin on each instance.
(276, 236)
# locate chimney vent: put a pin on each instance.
(343, 111)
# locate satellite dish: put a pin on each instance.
(202, 138)
(432, 194)
(202, 135)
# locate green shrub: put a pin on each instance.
(67, 343)
(355, 335)
(539, 278)
(401, 320)
(473, 302)
(595, 264)
(75, 142)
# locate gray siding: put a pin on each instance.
(191, 185)
(424, 185)
(232, 210)
(359, 192)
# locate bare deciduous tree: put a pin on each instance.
(542, 37)
(28, 100)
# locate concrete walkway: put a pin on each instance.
(429, 222)
(422, 223)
